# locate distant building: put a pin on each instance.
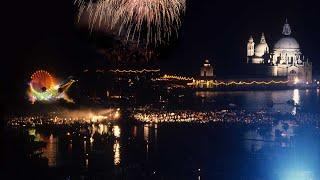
(286, 59)
(206, 70)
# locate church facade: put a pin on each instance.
(285, 59)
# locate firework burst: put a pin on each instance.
(150, 21)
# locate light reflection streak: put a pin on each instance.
(146, 132)
(296, 100)
(50, 151)
(116, 150)
(87, 163)
(134, 132)
(296, 96)
(116, 131)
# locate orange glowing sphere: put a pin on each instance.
(42, 80)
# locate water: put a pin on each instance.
(308, 100)
(193, 151)
(181, 152)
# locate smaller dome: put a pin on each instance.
(260, 49)
(287, 43)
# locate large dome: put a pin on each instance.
(261, 49)
(287, 43)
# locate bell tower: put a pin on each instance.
(250, 47)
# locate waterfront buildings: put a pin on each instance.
(285, 60)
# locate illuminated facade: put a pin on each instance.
(206, 70)
(286, 59)
(256, 53)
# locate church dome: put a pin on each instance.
(261, 49)
(287, 43)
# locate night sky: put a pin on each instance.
(44, 35)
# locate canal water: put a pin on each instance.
(194, 151)
(306, 100)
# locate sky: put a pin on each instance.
(44, 35)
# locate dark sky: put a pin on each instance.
(44, 35)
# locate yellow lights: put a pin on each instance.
(296, 80)
(180, 78)
(100, 128)
(135, 71)
(216, 83)
(209, 83)
(116, 115)
(91, 140)
(116, 131)
(146, 132)
(187, 116)
(116, 151)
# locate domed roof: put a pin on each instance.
(287, 43)
(260, 49)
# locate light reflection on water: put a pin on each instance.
(253, 140)
(116, 150)
(146, 132)
(120, 151)
(257, 100)
(153, 136)
(116, 131)
(51, 149)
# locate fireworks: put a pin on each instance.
(153, 21)
(44, 87)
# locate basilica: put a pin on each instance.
(284, 60)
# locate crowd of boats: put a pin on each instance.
(157, 116)
(231, 116)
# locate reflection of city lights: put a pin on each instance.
(296, 100)
(100, 129)
(116, 150)
(116, 131)
(85, 146)
(296, 96)
(87, 163)
(116, 115)
(50, 152)
(146, 132)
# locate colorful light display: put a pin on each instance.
(44, 87)
(153, 21)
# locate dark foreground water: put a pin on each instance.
(182, 151)
(190, 151)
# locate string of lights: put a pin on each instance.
(248, 83)
(180, 78)
(216, 83)
(135, 71)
